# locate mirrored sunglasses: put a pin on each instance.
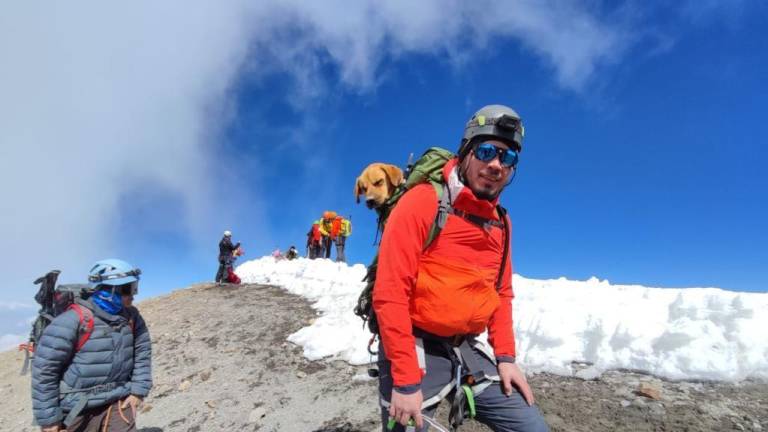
(486, 152)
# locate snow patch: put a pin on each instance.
(676, 333)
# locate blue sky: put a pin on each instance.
(650, 173)
(643, 160)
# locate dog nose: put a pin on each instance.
(370, 203)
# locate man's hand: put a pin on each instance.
(133, 402)
(403, 407)
(511, 375)
(54, 428)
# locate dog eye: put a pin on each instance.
(378, 182)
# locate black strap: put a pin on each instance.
(503, 216)
(441, 217)
(480, 221)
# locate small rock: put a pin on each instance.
(256, 414)
(211, 404)
(649, 390)
(657, 409)
(301, 374)
(205, 375)
(185, 385)
(625, 403)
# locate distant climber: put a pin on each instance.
(326, 229)
(292, 253)
(315, 241)
(342, 228)
(226, 255)
(232, 277)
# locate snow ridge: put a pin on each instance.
(675, 333)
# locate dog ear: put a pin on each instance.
(357, 190)
(394, 174)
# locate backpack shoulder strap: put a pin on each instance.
(503, 216)
(443, 209)
(85, 328)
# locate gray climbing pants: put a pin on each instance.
(498, 411)
(340, 243)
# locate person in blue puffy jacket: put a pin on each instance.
(93, 363)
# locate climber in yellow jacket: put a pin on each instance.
(326, 229)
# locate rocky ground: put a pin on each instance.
(222, 363)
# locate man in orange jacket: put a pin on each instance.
(432, 303)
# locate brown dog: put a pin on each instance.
(377, 182)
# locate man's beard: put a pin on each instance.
(487, 194)
(480, 192)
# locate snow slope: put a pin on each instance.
(687, 333)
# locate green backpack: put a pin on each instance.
(427, 169)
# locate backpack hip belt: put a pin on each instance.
(82, 401)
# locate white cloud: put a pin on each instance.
(357, 37)
(16, 306)
(101, 100)
(104, 100)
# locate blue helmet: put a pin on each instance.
(114, 272)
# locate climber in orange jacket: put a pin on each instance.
(431, 303)
(315, 242)
(340, 230)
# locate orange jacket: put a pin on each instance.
(336, 227)
(447, 290)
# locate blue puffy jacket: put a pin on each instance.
(115, 362)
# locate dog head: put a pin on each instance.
(377, 182)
